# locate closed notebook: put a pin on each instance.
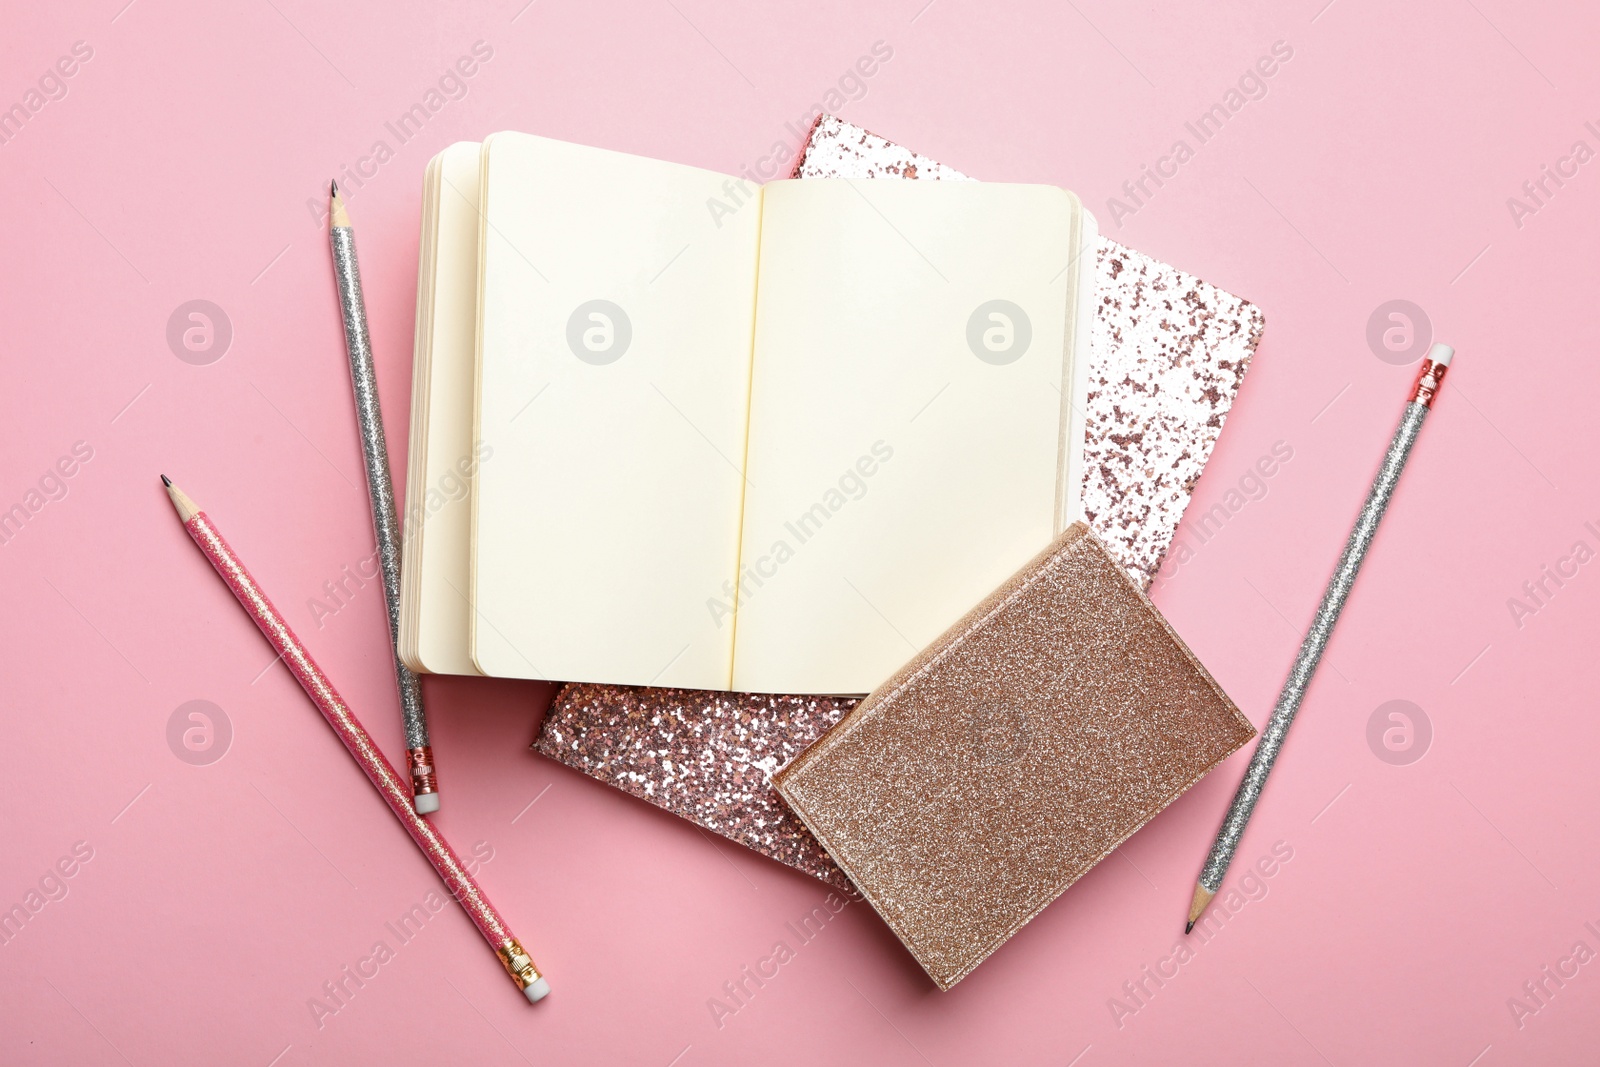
(725, 436)
(1012, 755)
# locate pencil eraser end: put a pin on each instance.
(1441, 354)
(426, 803)
(537, 991)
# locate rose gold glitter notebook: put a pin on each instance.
(1013, 754)
(705, 755)
(1168, 352)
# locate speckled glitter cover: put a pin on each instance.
(1168, 352)
(1012, 755)
(707, 756)
(1167, 355)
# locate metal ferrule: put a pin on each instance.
(1429, 378)
(420, 763)
(518, 964)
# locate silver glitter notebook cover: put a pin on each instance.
(1168, 353)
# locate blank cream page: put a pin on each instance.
(411, 546)
(906, 418)
(616, 313)
(439, 522)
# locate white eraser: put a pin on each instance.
(1441, 354)
(537, 991)
(426, 803)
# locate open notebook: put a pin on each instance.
(694, 432)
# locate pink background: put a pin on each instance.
(220, 898)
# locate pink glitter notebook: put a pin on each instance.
(1168, 352)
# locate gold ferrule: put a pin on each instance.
(1428, 381)
(420, 762)
(518, 964)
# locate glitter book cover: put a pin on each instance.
(1012, 755)
(704, 755)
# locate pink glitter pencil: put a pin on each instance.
(394, 790)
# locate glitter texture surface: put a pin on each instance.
(1168, 353)
(1312, 647)
(706, 756)
(1012, 755)
(375, 453)
(366, 753)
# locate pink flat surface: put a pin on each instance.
(218, 899)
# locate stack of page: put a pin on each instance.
(672, 428)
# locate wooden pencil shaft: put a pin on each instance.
(1319, 634)
(390, 786)
(380, 487)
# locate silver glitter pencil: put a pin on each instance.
(375, 453)
(1316, 639)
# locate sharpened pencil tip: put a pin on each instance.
(1188, 927)
(338, 217)
(1197, 907)
(180, 500)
